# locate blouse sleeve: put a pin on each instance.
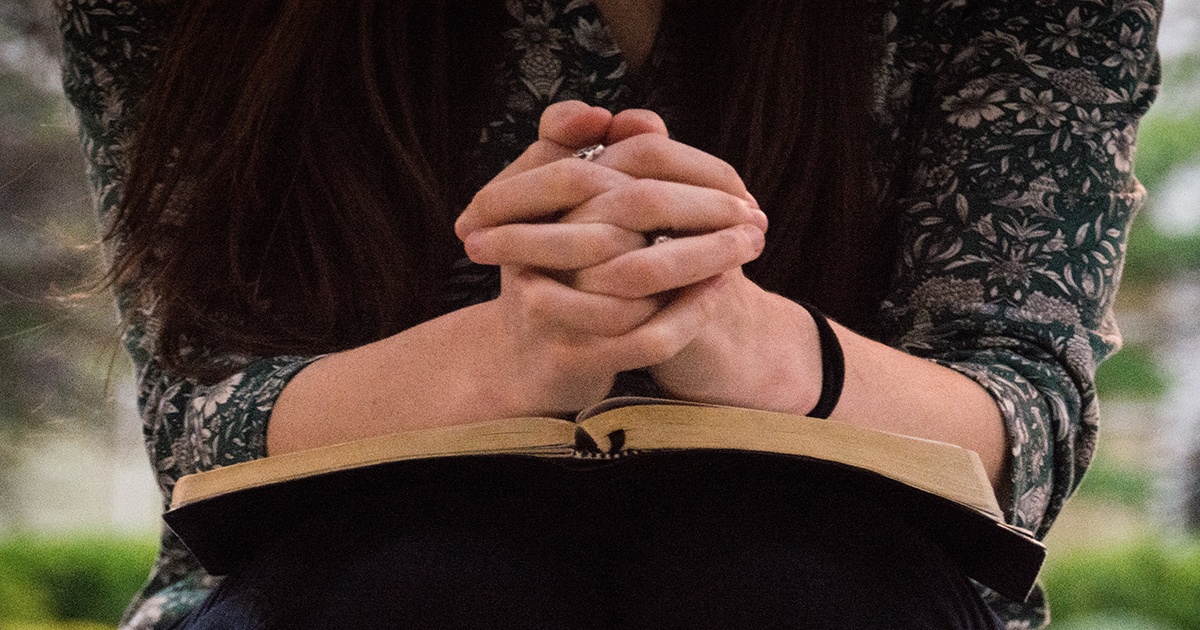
(192, 427)
(1015, 201)
(109, 50)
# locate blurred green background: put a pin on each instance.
(78, 509)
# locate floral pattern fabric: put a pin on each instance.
(1005, 134)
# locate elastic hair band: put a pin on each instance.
(833, 364)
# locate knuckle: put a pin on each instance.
(635, 313)
(656, 345)
(642, 198)
(535, 298)
(568, 167)
(637, 277)
(727, 172)
(645, 190)
(651, 150)
(542, 152)
(616, 324)
(731, 210)
(555, 109)
(482, 204)
(604, 244)
(560, 171)
(735, 245)
(576, 175)
(650, 116)
(538, 305)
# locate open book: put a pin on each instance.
(224, 513)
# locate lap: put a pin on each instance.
(667, 555)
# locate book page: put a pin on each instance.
(936, 467)
(532, 436)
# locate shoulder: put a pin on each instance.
(109, 51)
(1027, 26)
(112, 29)
(111, 40)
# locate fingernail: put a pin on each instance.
(462, 229)
(471, 247)
(761, 220)
(760, 239)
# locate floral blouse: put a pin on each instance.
(1006, 131)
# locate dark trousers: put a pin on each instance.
(685, 548)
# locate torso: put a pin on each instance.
(634, 25)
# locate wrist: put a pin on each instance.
(793, 360)
(766, 357)
(833, 364)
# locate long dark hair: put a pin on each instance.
(298, 168)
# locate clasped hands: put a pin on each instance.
(582, 295)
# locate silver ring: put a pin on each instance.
(589, 154)
(656, 239)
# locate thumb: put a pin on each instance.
(635, 122)
(565, 128)
(574, 124)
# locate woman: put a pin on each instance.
(283, 184)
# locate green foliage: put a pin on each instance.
(85, 579)
(1153, 256)
(1168, 138)
(54, 625)
(1151, 582)
(1131, 373)
(1165, 142)
(1112, 621)
(1107, 481)
(1179, 74)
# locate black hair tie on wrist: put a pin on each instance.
(833, 364)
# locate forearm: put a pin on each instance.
(430, 375)
(894, 391)
(765, 354)
(522, 354)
